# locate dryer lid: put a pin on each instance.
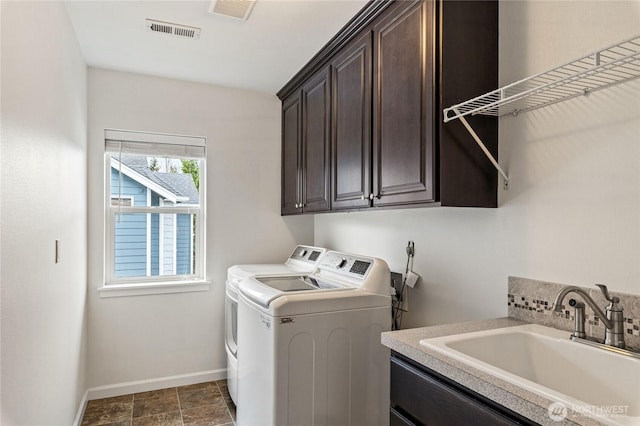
(303, 260)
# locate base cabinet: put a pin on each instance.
(420, 396)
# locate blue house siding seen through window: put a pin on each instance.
(130, 229)
(150, 244)
(183, 245)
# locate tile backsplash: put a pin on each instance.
(532, 301)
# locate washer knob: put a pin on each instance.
(342, 263)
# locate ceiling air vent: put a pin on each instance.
(172, 29)
(239, 9)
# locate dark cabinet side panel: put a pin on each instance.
(316, 97)
(469, 68)
(404, 98)
(291, 139)
(351, 125)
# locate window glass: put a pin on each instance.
(155, 230)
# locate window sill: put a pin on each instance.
(123, 290)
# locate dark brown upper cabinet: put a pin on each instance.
(351, 125)
(404, 101)
(379, 86)
(306, 147)
(316, 142)
(291, 154)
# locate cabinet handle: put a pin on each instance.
(362, 198)
(371, 196)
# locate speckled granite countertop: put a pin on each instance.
(522, 401)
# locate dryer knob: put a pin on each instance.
(342, 263)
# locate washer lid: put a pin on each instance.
(238, 272)
(264, 290)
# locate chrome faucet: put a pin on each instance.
(613, 320)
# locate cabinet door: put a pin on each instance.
(404, 104)
(351, 126)
(291, 143)
(419, 398)
(316, 142)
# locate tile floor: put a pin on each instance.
(200, 404)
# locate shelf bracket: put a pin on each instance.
(483, 147)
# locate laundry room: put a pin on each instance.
(463, 167)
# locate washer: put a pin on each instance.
(311, 351)
(303, 260)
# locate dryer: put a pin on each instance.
(311, 351)
(303, 260)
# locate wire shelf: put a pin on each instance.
(604, 68)
(612, 65)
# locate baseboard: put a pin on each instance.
(147, 385)
(81, 407)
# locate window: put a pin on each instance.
(155, 197)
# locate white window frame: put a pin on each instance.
(154, 145)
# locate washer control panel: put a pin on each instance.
(360, 267)
(368, 274)
(353, 266)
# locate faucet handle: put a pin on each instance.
(605, 292)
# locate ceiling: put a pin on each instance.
(261, 53)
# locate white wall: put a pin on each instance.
(572, 213)
(150, 337)
(43, 178)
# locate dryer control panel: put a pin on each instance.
(307, 254)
